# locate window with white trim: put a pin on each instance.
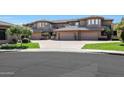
(89, 22)
(97, 21)
(76, 23)
(93, 21)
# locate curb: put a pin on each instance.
(66, 50)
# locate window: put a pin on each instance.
(2, 34)
(34, 25)
(89, 22)
(97, 21)
(38, 24)
(76, 23)
(103, 33)
(50, 25)
(93, 21)
(45, 24)
(114, 33)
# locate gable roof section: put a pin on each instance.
(2, 23)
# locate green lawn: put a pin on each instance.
(18, 46)
(106, 46)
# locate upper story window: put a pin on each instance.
(50, 25)
(97, 21)
(89, 22)
(94, 21)
(34, 25)
(45, 23)
(38, 25)
(76, 24)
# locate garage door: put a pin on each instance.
(36, 36)
(89, 35)
(67, 36)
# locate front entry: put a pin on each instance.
(2, 34)
(46, 35)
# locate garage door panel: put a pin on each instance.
(67, 36)
(36, 36)
(89, 35)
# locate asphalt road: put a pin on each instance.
(53, 64)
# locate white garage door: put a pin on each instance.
(67, 36)
(89, 35)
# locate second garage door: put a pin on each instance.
(67, 36)
(89, 35)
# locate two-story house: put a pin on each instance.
(89, 28)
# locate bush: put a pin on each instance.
(12, 46)
(25, 40)
(13, 41)
(122, 36)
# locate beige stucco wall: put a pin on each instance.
(36, 35)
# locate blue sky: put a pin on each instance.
(22, 19)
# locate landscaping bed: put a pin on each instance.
(18, 46)
(118, 46)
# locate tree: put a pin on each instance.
(26, 32)
(19, 31)
(108, 32)
(122, 36)
(120, 27)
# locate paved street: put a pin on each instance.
(53, 64)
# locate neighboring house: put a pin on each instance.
(116, 34)
(89, 28)
(4, 38)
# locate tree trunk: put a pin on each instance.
(20, 40)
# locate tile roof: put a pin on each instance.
(64, 21)
(68, 20)
(5, 23)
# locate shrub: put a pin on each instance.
(11, 46)
(13, 41)
(122, 36)
(25, 40)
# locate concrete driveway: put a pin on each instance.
(58, 44)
